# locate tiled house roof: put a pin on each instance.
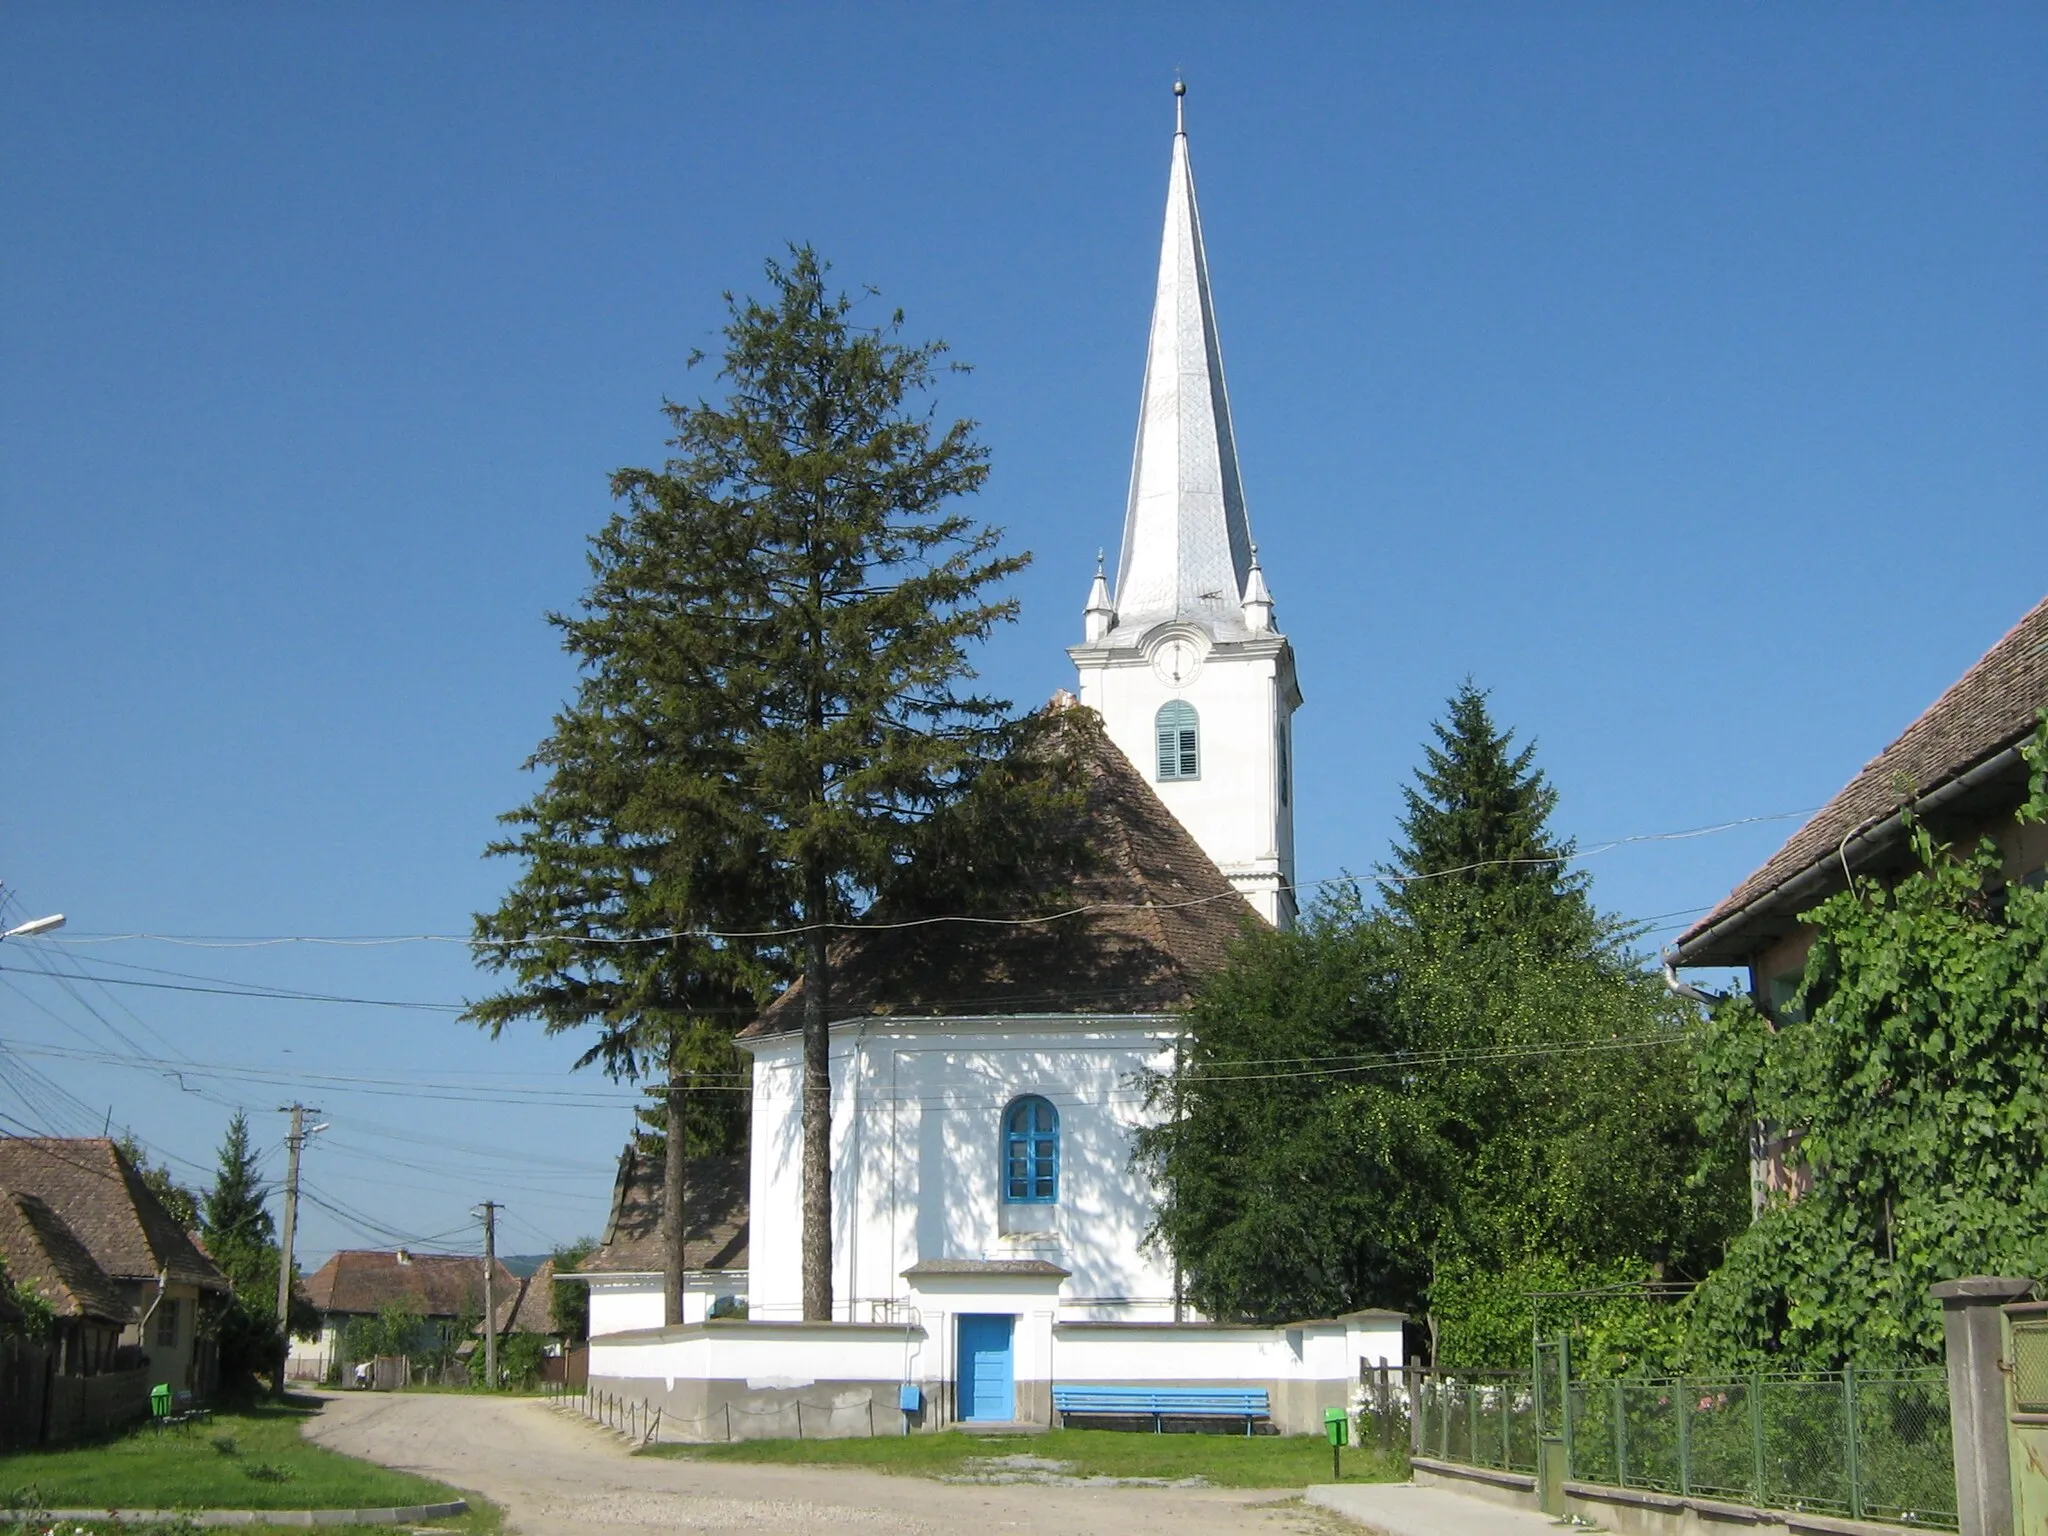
(44, 1255)
(715, 1207)
(1990, 709)
(107, 1206)
(1165, 918)
(532, 1310)
(359, 1282)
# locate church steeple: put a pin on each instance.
(1187, 545)
(1194, 683)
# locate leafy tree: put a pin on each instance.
(1385, 1104)
(25, 1313)
(569, 1308)
(1914, 1067)
(179, 1201)
(396, 1329)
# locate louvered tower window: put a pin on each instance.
(1180, 749)
(1031, 1152)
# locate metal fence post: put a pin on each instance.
(1443, 1419)
(1849, 1448)
(1620, 1436)
(1564, 1392)
(1472, 1421)
(1756, 1437)
(1507, 1393)
(1681, 1399)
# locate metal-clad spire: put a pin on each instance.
(1187, 545)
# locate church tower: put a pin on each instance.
(1184, 664)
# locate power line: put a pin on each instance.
(473, 941)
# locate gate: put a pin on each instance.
(2026, 1399)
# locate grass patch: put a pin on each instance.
(1227, 1461)
(250, 1457)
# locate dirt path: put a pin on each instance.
(555, 1474)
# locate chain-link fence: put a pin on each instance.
(1866, 1444)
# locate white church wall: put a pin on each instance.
(625, 1303)
(917, 1151)
(1233, 809)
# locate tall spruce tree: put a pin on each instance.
(1477, 832)
(773, 717)
(854, 589)
(641, 842)
(233, 1213)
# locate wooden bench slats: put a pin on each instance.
(1156, 1402)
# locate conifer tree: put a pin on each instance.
(772, 715)
(1477, 830)
(233, 1214)
(854, 588)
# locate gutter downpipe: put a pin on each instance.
(1862, 840)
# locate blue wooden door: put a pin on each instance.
(987, 1383)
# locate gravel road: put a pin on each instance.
(555, 1474)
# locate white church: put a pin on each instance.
(989, 1223)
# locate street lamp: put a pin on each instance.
(35, 926)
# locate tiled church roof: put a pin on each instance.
(1988, 709)
(1167, 917)
(714, 1203)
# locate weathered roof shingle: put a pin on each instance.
(104, 1202)
(45, 1255)
(714, 1204)
(358, 1281)
(1990, 708)
(1158, 916)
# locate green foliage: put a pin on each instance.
(241, 1235)
(1486, 1317)
(1447, 1088)
(397, 1329)
(569, 1308)
(1913, 1067)
(519, 1361)
(179, 1201)
(25, 1313)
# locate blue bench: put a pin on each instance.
(1162, 1403)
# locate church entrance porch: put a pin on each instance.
(988, 1384)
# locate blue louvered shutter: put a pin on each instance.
(1179, 739)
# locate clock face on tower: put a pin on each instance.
(1177, 662)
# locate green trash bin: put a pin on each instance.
(160, 1402)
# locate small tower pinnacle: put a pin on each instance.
(1180, 98)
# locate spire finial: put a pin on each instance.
(1098, 562)
(1180, 97)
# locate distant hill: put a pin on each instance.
(523, 1264)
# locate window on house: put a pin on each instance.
(1180, 753)
(1283, 765)
(167, 1323)
(1031, 1152)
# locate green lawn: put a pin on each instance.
(242, 1458)
(1228, 1461)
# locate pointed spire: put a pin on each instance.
(1098, 616)
(1187, 545)
(1258, 602)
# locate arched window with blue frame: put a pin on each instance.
(1031, 1152)
(1180, 743)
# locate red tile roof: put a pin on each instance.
(1989, 709)
(44, 1255)
(103, 1200)
(532, 1310)
(359, 1282)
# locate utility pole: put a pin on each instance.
(490, 1210)
(294, 1144)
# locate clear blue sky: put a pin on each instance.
(1678, 372)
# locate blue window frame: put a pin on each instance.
(1031, 1152)
(1180, 747)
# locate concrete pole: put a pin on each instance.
(1970, 1317)
(294, 1144)
(490, 1296)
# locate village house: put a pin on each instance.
(45, 1257)
(1957, 769)
(625, 1272)
(991, 1227)
(445, 1291)
(163, 1279)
